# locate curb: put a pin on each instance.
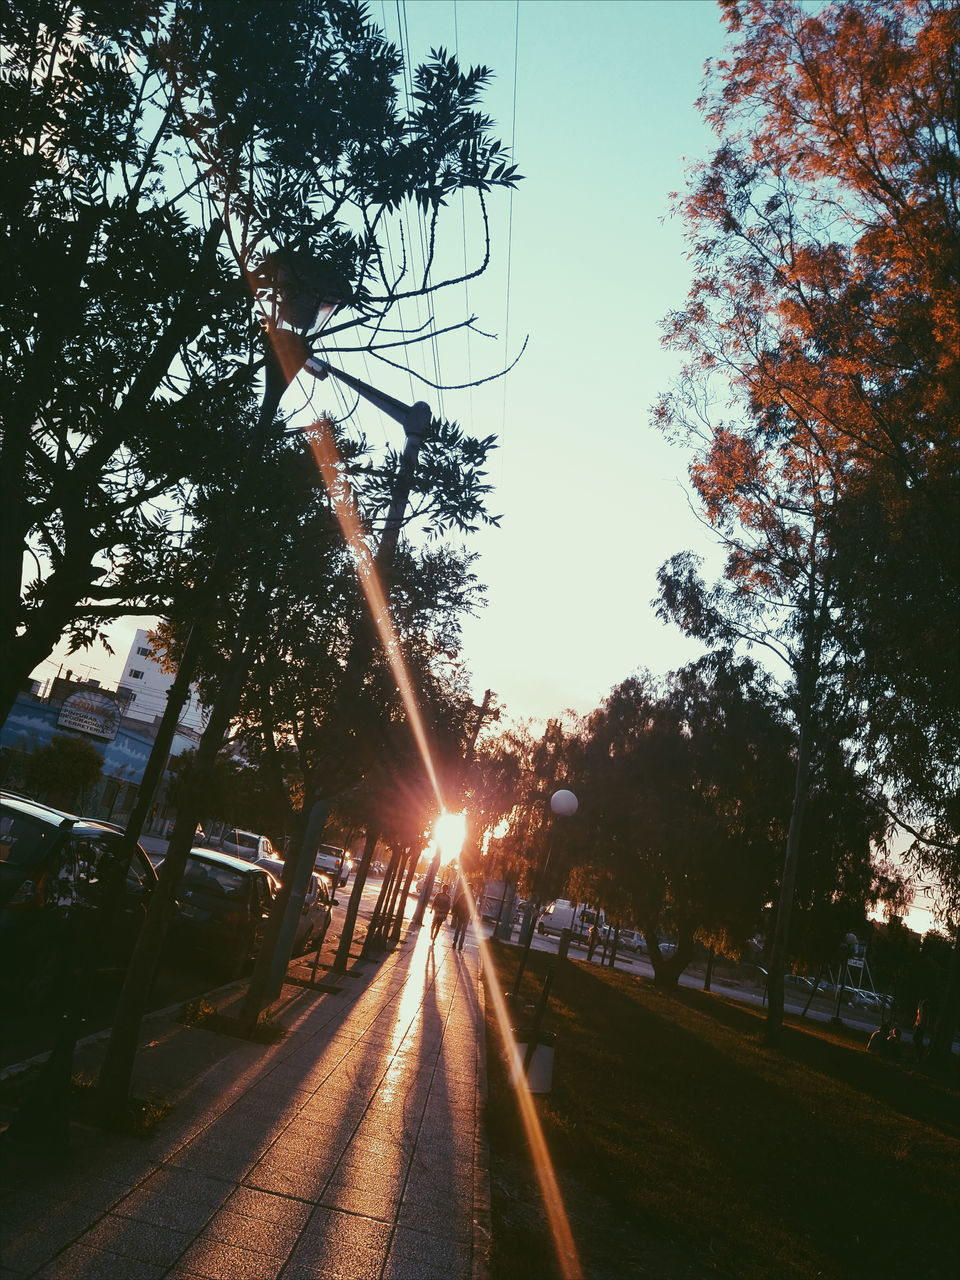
(482, 1216)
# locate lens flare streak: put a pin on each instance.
(323, 447)
(563, 1241)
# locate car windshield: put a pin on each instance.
(247, 841)
(23, 844)
(210, 877)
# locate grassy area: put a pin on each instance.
(685, 1148)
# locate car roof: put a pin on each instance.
(34, 809)
(227, 860)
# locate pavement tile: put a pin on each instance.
(61, 1219)
(216, 1160)
(269, 1208)
(399, 1268)
(30, 1250)
(140, 1241)
(188, 1185)
(347, 1229)
(333, 1259)
(244, 1231)
(368, 1202)
(177, 1212)
(286, 1180)
(81, 1263)
(213, 1260)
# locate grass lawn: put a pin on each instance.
(685, 1148)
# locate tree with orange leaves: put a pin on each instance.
(825, 231)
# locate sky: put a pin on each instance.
(592, 498)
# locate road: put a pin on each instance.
(821, 1011)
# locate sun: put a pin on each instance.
(449, 833)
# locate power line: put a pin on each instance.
(513, 149)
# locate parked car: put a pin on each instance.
(315, 912)
(863, 998)
(70, 898)
(632, 940)
(222, 906)
(246, 844)
(798, 980)
(333, 862)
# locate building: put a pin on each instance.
(144, 684)
(121, 724)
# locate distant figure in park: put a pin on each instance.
(877, 1042)
(461, 917)
(892, 1045)
(592, 940)
(921, 1028)
(441, 908)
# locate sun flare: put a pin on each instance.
(449, 833)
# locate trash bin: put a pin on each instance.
(539, 1073)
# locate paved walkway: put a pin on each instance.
(350, 1149)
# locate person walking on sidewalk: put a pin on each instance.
(441, 908)
(461, 917)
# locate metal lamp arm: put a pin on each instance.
(415, 419)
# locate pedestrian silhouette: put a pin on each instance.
(921, 1028)
(441, 909)
(461, 917)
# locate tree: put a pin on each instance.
(825, 237)
(153, 164)
(770, 506)
(63, 770)
(684, 791)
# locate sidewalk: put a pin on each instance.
(351, 1149)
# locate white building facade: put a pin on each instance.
(144, 685)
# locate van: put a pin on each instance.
(564, 914)
(333, 862)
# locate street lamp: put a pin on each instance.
(563, 804)
(297, 291)
(299, 294)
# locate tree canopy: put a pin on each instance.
(153, 158)
(822, 331)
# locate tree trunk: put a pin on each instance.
(941, 1043)
(807, 677)
(353, 907)
(374, 939)
(405, 894)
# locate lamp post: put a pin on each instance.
(847, 949)
(563, 804)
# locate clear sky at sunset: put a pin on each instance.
(592, 498)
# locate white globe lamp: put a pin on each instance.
(564, 804)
